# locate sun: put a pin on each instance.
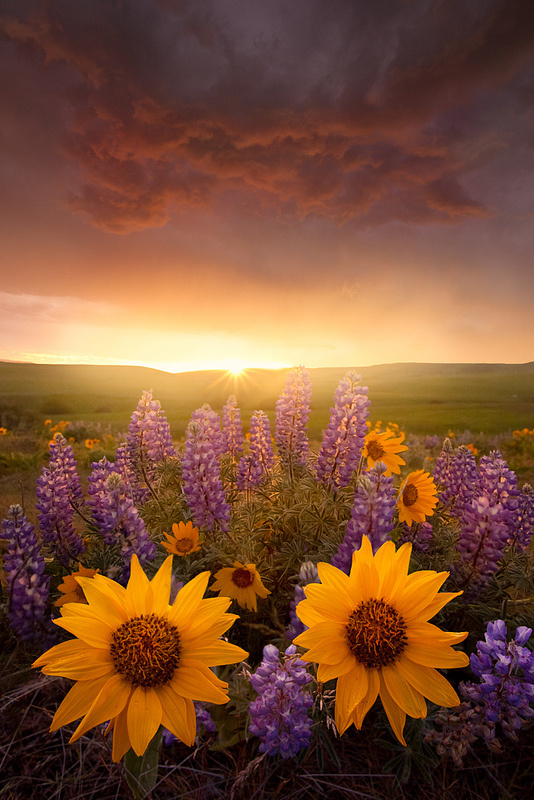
(235, 367)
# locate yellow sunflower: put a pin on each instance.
(370, 630)
(71, 589)
(242, 582)
(384, 447)
(183, 541)
(138, 661)
(417, 497)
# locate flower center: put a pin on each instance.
(409, 495)
(184, 545)
(146, 650)
(375, 450)
(242, 577)
(376, 634)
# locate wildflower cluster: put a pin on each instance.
(279, 715)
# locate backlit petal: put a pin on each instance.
(395, 714)
(144, 717)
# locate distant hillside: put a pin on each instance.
(425, 398)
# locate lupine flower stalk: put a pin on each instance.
(116, 516)
(232, 431)
(344, 437)
(58, 494)
(524, 522)
(371, 514)
(249, 473)
(27, 585)
(456, 471)
(279, 715)
(149, 440)
(292, 414)
(201, 475)
(211, 425)
(420, 535)
(483, 537)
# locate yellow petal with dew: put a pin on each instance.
(144, 717)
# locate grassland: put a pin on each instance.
(421, 398)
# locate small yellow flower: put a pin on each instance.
(370, 630)
(72, 591)
(242, 582)
(138, 661)
(417, 497)
(384, 447)
(183, 541)
(3, 431)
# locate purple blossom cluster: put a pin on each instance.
(420, 535)
(483, 538)
(279, 715)
(456, 471)
(371, 514)
(58, 493)
(503, 696)
(201, 474)
(27, 585)
(211, 425)
(253, 468)
(307, 574)
(115, 514)
(524, 521)
(344, 437)
(149, 440)
(292, 414)
(232, 430)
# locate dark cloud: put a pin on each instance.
(341, 110)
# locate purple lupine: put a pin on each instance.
(137, 491)
(211, 426)
(521, 534)
(232, 431)
(116, 516)
(201, 475)
(457, 473)
(371, 514)
(483, 537)
(344, 437)
(58, 493)
(292, 414)
(420, 535)
(505, 692)
(27, 585)
(500, 483)
(261, 442)
(307, 574)
(149, 440)
(279, 715)
(249, 473)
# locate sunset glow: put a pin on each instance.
(277, 190)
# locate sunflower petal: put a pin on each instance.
(441, 656)
(360, 711)
(326, 672)
(109, 702)
(161, 588)
(178, 715)
(144, 717)
(432, 684)
(351, 690)
(395, 714)
(195, 681)
(216, 654)
(121, 740)
(77, 702)
(403, 693)
(138, 597)
(188, 599)
(88, 630)
(70, 649)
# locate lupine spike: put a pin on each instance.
(292, 414)
(233, 437)
(344, 437)
(27, 585)
(201, 474)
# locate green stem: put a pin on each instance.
(142, 771)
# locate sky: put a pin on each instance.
(232, 183)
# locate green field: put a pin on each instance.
(421, 398)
